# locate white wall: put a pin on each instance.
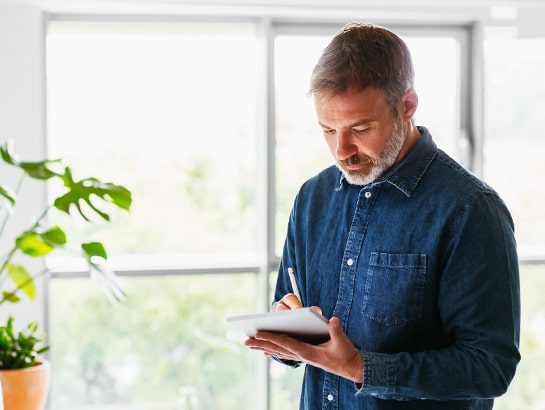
(22, 119)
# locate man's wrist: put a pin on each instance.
(355, 369)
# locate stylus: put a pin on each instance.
(291, 273)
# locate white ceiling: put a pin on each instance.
(442, 10)
(352, 4)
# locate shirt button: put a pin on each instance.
(350, 262)
(330, 397)
(368, 194)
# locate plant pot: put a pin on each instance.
(26, 388)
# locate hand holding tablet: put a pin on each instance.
(289, 318)
(304, 324)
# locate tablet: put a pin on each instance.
(303, 324)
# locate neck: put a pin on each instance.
(412, 136)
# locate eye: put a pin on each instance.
(328, 131)
(360, 131)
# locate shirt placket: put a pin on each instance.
(347, 277)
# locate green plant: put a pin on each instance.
(79, 197)
(19, 350)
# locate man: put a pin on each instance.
(411, 256)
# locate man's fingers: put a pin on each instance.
(317, 309)
(288, 302)
(280, 306)
(335, 327)
(269, 348)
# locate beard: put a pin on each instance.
(374, 168)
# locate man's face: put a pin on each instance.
(363, 135)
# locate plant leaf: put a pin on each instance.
(6, 151)
(10, 297)
(104, 277)
(30, 243)
(37, 170)
(37, 243)
(19, 350)
(8, 194)
(93, 249)
(54, 236)
(22, 279)
(40, 170)
(83, 190)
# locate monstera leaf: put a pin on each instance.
(81, 192)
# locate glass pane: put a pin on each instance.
(286, 383)
(513, 164)
(300, 149)
(167, 110)
(166, 348)
(526, 391)
(514, 146)
(437, 83)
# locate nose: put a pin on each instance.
(345, 145)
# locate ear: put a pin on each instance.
(409, 103)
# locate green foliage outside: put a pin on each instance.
(528, 388)
(168, 343)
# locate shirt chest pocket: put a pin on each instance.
(394, 287)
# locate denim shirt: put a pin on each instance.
(421, 269)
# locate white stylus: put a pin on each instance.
(291, 273)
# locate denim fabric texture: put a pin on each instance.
(421, 269)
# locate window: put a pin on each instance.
(513, 164)
(167, 110)
(177, 112)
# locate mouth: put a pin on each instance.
(355, 164)
(354, 167)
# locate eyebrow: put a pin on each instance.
(353, 125)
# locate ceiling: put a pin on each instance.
(442, 10)
(352, 4)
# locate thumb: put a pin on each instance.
(335, 329)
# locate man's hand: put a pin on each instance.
(288, 302)
(338, 355)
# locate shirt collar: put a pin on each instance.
(406, 175)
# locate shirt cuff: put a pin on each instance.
(379, 375)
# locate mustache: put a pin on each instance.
(357, 160)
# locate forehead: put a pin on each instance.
(367, 104)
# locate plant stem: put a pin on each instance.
(6, 261)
